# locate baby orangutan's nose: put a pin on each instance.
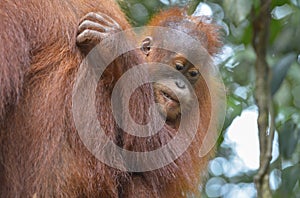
(180, 84)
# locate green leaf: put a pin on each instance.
(296, 95)
(139, 13)
(293, 74)
(296, 3)
(290, 176)
(193, 6)
(237, 10)
(280, 70)
(279, 2)
(248, 34)
(284, 114)
(283, 97)
(275, 30)
(280, 12)
(288, 138)
(151, 5)
(234, 109)
(217, 10)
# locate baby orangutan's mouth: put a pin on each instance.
(169, 97)
(169, 105)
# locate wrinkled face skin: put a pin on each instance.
(181, 64)
(167, 95)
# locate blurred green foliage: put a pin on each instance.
(237, 68)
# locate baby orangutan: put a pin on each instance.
(172, 90)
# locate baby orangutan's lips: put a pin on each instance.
(169, 97)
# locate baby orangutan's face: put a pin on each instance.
(173, 93)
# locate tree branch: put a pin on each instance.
(263, 97)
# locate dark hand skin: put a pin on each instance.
(93, 28)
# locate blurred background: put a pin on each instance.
(232, 171)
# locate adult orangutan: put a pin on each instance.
(42, 48)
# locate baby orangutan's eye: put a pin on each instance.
(194, 73)
(179, 66)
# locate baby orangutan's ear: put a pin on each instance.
(146, 45)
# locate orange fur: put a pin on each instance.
(41, 152)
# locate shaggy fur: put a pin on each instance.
(41, 152)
